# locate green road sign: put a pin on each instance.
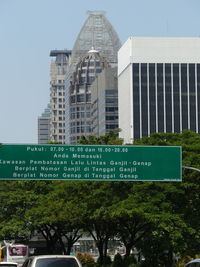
(84, 162)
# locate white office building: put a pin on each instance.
(159, 86)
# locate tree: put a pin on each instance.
(161, 219)
(180, 235)
(164, 236)
(15, 200)
(110, 138)
(61, 217)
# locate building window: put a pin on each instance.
(184, 96)
(160, 98)
(88, 98)
(111, 109)
(136, 101)
(72, 116)
(81, 98)
(72, 99)
(198, 96)
(111, 92)
(111, 100)
(111, 118)
(91, 63)
(152, 98)
(91, 70)
(87, 114)
(176, 97)
(91, 79)
(111, 126)
(168, 98)
(144, 100)
(192, 97)
(98, 70)
(82, 79)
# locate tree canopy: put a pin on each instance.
(157, 218)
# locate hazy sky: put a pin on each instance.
(29, 29)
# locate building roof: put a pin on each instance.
(54, 53)
(97, 32)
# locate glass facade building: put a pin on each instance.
(104, 99)
(68, 103)
(166, 98)
(97, 32)
(44, 126)
(80, 94)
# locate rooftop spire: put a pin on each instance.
(92, 50)
(96, 32)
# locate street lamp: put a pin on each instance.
(191, 168)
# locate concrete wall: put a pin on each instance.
(125, 101)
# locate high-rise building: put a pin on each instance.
(59, 69)
(104, 99)
(97, 34)
(43, 126)
(80, 94)
(159, 86)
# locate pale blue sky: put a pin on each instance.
(29, 29)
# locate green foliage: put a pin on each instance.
(154, 217)
(118, 261)
(86, 259)
(177, 228)
(184, 260)
(53, 143)
(110, 138)
(129, 261)
(107, 262)
(126, 261)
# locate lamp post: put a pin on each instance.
(191, 168)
